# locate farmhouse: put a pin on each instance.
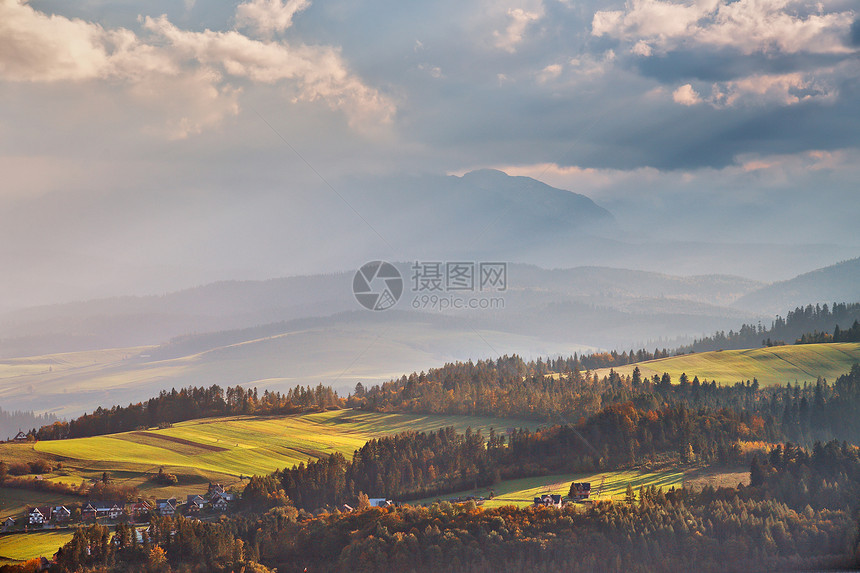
(379, 502)
(8, 524)
(195, 503)
(61, 514)
(580, 491)
(218, 501)
(39, 515)
(166, 506)
(20, 437)
(141, 510)
(94, 510)
(548, 500)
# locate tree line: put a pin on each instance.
(414, 465)
(189, 404)
(797, 323)
(772, 524)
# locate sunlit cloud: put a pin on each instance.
(749, 26)
(201, 69)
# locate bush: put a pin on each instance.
(39, 467)
(164, 478)
(18, 469)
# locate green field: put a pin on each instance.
(521, 492)
(23, 546)
(775, 365)
(245, 445)
(218, 449)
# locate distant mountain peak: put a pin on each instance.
(552, 201)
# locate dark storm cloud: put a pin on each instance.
(725, 65)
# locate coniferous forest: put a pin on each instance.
(799, 511)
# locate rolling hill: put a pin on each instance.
(835, 283)
(238, 305)
(219, 449)
(775, 365)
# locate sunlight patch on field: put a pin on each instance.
(775, 365)
(521, 492)
(248, 445)
(23, 546)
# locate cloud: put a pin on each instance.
(520, 18)
(265, 17)
(36, 47)
(781, 89)
(318, 71)
(748, 26)
(167, 65)
(686, 95)
(761, 89)
(549, 73)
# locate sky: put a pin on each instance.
(147, 146)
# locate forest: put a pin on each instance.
(798, 324)
(799, 512)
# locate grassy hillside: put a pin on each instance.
(776, 365)
(218, 449)
(521, 492)
(20, 547)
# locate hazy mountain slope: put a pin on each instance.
(340, 351)
(132, 321)
(836, 283)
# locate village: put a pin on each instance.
(214, 502)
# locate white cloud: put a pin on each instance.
(549, 73)
(642, 48)
(519, 20)
(777, 89)
(186, 74)
(37, 47)
(781, 89)
(318, 71)
(686, 95)
(751, 26)
(266, 17)
(199, 100)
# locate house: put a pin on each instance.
(378, 502)
(166, 506)
(39, 515)
(8, 524)
(344, 508)
(61, 514)
(141, 510)
(195, 503)
(20, 437)
(580, 491)
(214, 488)
(548, 500)
(218, 501)
(94, 510)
